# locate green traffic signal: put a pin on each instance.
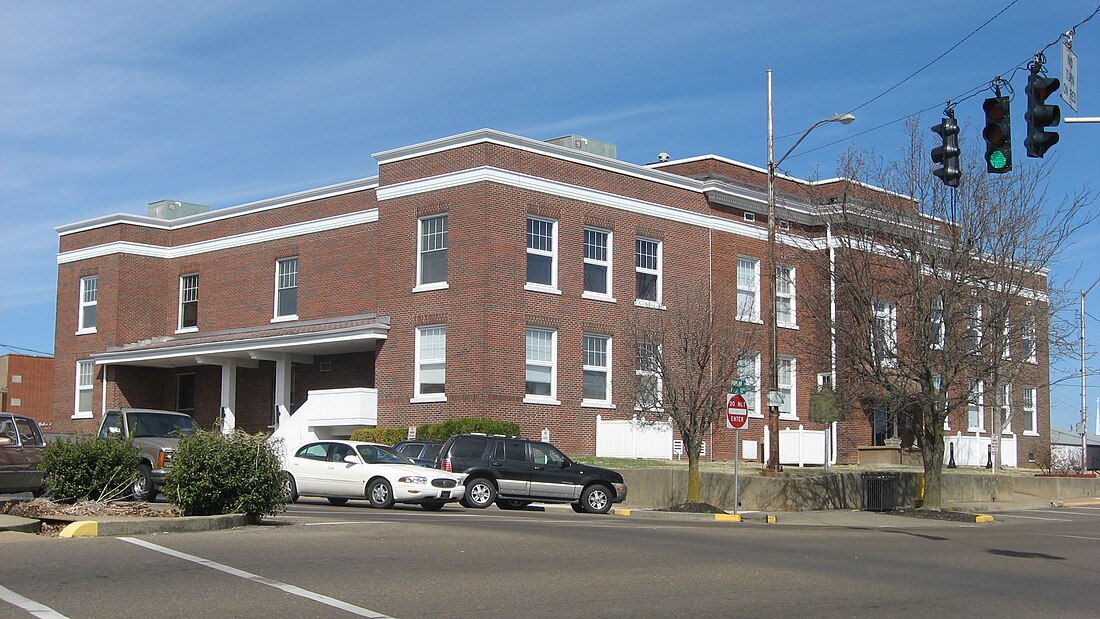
(997, 135)
(997, 160)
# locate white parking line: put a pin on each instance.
(35, 608)
(1034, 517)
(291, 589)
(321, 524)
(1067, 536)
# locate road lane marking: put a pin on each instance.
(1059, 511)
(321, 524)
(291, 589)
(35, 608)
(1068, 536)
(1034, 518)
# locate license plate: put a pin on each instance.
(446, 494)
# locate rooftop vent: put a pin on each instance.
(588, 145)
(174, 209)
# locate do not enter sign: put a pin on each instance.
(737, 412)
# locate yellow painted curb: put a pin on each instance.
(82, 528)
(983, 518)
(727, 517)
(618, 511)
(771, 519)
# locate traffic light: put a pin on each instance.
(1040, 115)
(998, 135)
(947, 155)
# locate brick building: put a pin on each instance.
(26, 386)
(482, 274)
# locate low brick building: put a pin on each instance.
(482, 274)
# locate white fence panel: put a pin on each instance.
(801, 446)
(633, 438)
(973, 449)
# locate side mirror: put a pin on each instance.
(114, 430)
(350, 459)
(565, 464)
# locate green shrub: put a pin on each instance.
(214, 473)
(89, 468)
(462, 425)
(385, 436)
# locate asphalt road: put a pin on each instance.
(317, 560)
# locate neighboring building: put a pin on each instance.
(483, 274)
(26, 387)
(1065, 450)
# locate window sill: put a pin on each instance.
(976, 430)
(650, 304)
(541, 399)
(83, 415)
(86, 331)
(595, 296)
(752, 320)
(597, 404)
(541, 288)
(1030, 433)
(285, 318)
(639, 409)
(786, 325)
(756, 416)
(433, 397)
(187, 330)
(432, 286)
(788, 417)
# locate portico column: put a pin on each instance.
(283, 384)
(229, 395)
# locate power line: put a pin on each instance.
(15, 349)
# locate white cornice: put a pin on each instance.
(144, 221)
(218, 244)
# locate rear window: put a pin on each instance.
(431, 451)
(470, 447)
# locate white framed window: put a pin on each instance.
(89, 302)
(597, 370)
(748, 289)
(1006, 342)
(784, 295)
(1006, 409)
(430, 382)
(286, 289)
(1031, 420)
(431, 253)
(85, 381)
(647, 376)
(189, 303)
(648, 264)
(936, 317)
(937, 385)
(787, 383)
(597, 264)
(974, 327)
(748, 370)
(975, 407)
(884, 332)
(542, 366)
(542, 255)
(1027, 337)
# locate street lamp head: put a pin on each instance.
(844, 119)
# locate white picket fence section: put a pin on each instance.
(633, 438)
(801, 446)
(973, 450)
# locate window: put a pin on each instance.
(597, 263)
(185, 393)
(431, 258)
(89, 295)
(1006, 342)
(541, 366)
(784, 295)
(597, 370)
(286, 289)
(647, 272)
(748, 289)
(85, 380)
(1031, 426)
(748, 370)
(647, 375)
(1027, 335)
(884, 333)
(787, 387)
(189, 302)
(937, 386)
(1006, 409)
(974, 327)
(937, 335)
(542, 254)
(975, 419)
(431, 364)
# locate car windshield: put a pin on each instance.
(159, 424)
(376, 454)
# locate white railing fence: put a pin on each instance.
(973, 450)
(633, 438)
(801, 446)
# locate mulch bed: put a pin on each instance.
(43, 509)
(694, 508)
(934, 514)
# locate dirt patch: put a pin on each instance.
(934, 514)
(693, 508)
(43, 509)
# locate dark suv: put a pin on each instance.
(513, 472)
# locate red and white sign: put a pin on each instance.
(737, 412)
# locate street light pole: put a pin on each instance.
(1084, 392)
(773, 163)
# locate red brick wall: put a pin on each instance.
(34, 391)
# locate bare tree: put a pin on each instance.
(687, 358)
(942, 295)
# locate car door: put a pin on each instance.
(344, 478)
(12, 461)
(309, 466)
(551, 475)
(512, 463)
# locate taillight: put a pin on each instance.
(447, 465)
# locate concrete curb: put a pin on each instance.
(665, 515)
(113, 527)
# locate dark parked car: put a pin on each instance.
(513, 472)
(21, 446)
(423, 453)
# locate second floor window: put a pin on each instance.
(975, 419)
(884, 333)
(597, 262)
(597, 369)
(784, 295)
(647, 269)
(748, 370)
(431, 361)
(189, 301)
(1027, 335)
(936, 317)
(286, 288)
(974, 327)
(1030, 425)
(89, 301)
(748, 288)
(432, 251)
(647, 375)
(541, 371)
(542, 253)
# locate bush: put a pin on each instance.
(385, 436)
(437, 431)
(89, 468)
(214, 473)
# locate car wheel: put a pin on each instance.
(290, 488)
(143, 489)
(596, 499)
(577, 507)
(480, 493)
(380, 494)
(512, 504)
(433, 506)
(337, 500)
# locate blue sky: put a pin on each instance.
(107, 106)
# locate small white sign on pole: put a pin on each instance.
(1069, 76)
(412, 433)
